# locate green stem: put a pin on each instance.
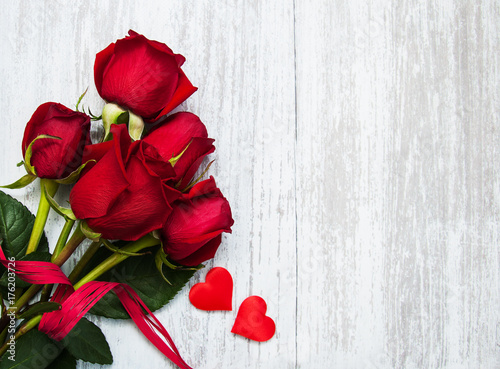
(47, 290)
(41, 214)
(25, 298)
(75, 241)
(115, 259)
(25, 328)
(70, 247)
(63, 238)
(142, 243)
(18, 293)
(89, 253)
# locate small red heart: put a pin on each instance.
(216, 293)
(252, 322)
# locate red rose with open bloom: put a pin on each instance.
(51, 158)
(193, 231)
(182, 133)
(124, 195)
(142, 75)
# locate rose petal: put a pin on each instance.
(105, 181)
(175, 133)
(184, 89)
(206, 252)
(140, 208)
(54, 158)
(101, 61)
(190, 161)
(204, 188)
(140, 77)
(96, 151)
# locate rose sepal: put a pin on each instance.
(75, 175)
(161, 258)
(29, 152)
(112, 114)
(21, 182)
(66, 213)
(135, 126)
(175, 159)
(115, 114)
(195, 181)
(117, 250)
(89, 233)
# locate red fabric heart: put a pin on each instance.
(252, 322)
(216, 293)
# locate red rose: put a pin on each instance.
(192, 233)
(124, 195)
(51, 158)
(172, 138)
(142, 75)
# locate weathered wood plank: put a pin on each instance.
(394, 169)
(398, 177)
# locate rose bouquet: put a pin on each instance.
(138, 196)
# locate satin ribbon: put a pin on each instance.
(74, 304)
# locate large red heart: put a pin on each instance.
(216, 293)
(252, 322)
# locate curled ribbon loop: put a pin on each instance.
(75, 304)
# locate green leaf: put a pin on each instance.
(16, 223)
(39, 308)
(86, 342)
(64, 361)
(140, 273)
(33, 350)
(19, 283)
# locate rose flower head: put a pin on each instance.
(141, 75)
(124, 195)
(183, 140)
(58, 156)
(193, 231)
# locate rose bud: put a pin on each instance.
(193, 231)
(141, 75)
(124, 195)
(51, 157)
(183, 140)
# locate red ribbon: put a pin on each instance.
(74, 304)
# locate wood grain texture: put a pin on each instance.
(358, 144)
(398, 177)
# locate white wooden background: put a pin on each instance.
(359, 146)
